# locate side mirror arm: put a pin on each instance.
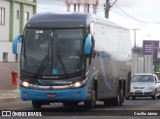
(14, 43)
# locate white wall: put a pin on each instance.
(6, 47)
(16, 24)
(29, 9)
(4, 29)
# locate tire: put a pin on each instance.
(127, 98)
(133, 97)
(108, 102)
(158, 97)
(154, 97)
(36, 104)
(123, 96)
(118, 101)
(91, 103)
(70, 104)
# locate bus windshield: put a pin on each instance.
(45, 50)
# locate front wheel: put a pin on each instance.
(133, 97)
(91, 103)
(36, 104)
(154, 97)
(70, 104)
(127, 98)
(108, 102)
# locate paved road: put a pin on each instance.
(140, 105)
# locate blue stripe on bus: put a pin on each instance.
(104, 73)
(91, 78)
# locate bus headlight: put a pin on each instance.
(77, 84)
(25, 84)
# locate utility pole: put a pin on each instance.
(135, 36)
(107, 8)
(108, 5)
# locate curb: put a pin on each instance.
(7, 99)
(9, 96)
(10, 91)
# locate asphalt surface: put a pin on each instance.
(9, 95)
(10, 100)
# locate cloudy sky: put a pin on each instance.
(133, 14)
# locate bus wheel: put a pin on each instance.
(36, 104)
(127, 98)
(119, 98)
(70, 104)
(133, 97)
(108, 102)
(91, 103)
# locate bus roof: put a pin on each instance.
(52, 20)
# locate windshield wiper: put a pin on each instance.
(41, 67)
(62, 64)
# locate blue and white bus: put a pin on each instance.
(73, 58)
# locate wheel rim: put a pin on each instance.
(94, 95)
(93, 98)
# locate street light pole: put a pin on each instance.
(141, 40)
(135, 36)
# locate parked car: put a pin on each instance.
(145, 85)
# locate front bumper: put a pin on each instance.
(78, 94)
(142, 93)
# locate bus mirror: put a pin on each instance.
(88, 44)
(15, 42)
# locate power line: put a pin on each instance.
(62, 1)
(130, 15)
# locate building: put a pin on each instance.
(141, 63)
(86, 6)
(13, 16)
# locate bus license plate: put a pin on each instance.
(50, 95)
